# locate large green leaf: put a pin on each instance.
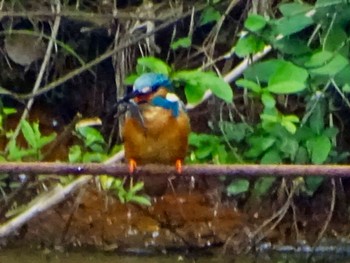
(289, 72)
(289, 25)
(237, 186)
(249, 44)
(258, 145)
(325, 3)
(29, 134)
(319, 147)
(220, 88)
(152, 64)
(319, 59)
(262, 71)
(268, 100)
(313, 183)
(335, 39)
(194, 92)
(292, 45)
(292, 9)
(286, 87)
(335, 65)
(204, 81)
(255, 22)
(235, 131)
(248, 84)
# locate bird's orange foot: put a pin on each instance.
(132, 166)
(178, 165)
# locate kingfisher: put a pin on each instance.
(156, 127)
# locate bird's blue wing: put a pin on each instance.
(173, 105)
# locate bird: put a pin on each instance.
(157, 126)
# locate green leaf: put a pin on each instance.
(220, 88)
(333, 67)
(259, 144)
(255, 23)
(209, 15)
(129, 80)
(319, 59)
(289, 146)
(17, 154)
(335, 39)
(136, 188)
(184, 42)
(330, 132)
(152, 64)
(91, 135)
(343, 77)
(194, 93)
(9, 111)
(271, 157)
(263, 185)
(204, 81)
(319, 148)
(29, 134)
(262, 71)
(316, 119)
(142, 200)
(292, 45)
(268, 100)
(292, 9)
(288, 122)
(288, 72)
(75, 154)
(304, 133)
(286, 87)
(249, 44)
(237, 186)
(313, 183)
(289, 25)
(235, 131)
(46, 140)
(248, 84)
(325, 3)
(346, 88)
(106, 182)
(204, 151)
(301, 156)
(96, 157)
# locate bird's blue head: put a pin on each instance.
(148, 84)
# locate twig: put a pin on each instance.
(80, 14)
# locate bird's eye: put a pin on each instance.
(146, 90)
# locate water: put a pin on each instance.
(46, 256)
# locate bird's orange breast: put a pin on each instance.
(162, 139)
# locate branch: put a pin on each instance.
(121, 170)
(81, 14)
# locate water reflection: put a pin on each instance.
(46, 256)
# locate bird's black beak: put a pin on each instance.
(129, 96)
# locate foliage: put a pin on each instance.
(35, 142)
(312, 50)
(94, 149)
(195, 82)
(33, 150)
